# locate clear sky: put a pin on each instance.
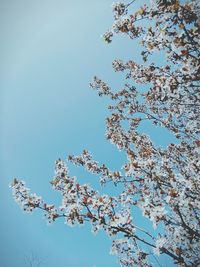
(49, 52)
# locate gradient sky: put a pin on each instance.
(49, 51)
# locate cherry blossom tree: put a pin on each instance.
(162, 182)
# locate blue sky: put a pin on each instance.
(50, 50)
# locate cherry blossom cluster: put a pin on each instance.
(22, 196)
(119, 9)
(29, 202)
